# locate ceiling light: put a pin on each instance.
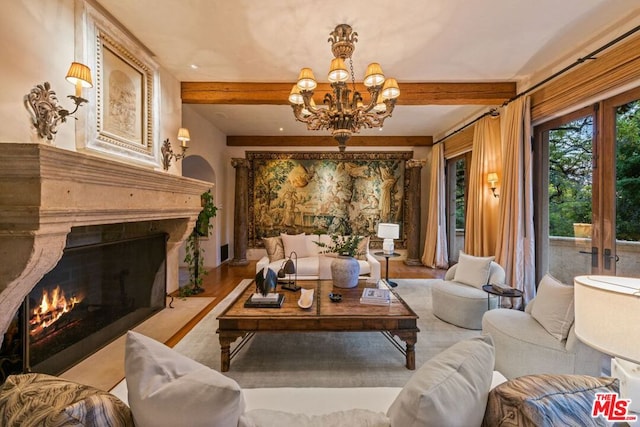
(344, 111)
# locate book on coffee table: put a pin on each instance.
(264, 302)
(375, 296)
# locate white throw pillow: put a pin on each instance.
(295, 243)
(553, 307)
(451, 389)
(473, 270)
(168, 389)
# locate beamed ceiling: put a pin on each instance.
(453, 59)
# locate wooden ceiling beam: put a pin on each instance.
(328, 141)
(493, 93)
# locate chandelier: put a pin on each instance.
(344, 111)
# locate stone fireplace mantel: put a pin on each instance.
(44, 191)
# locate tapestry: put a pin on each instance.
(334, 193)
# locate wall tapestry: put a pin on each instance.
(311, 192)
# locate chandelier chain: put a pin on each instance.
(353, 76)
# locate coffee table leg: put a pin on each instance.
(225, 348)
(410, 339)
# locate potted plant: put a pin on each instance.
(194, 257)
(345, 269)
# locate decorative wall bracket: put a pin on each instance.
(168, 154)
(46, 112)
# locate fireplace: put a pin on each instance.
(57, 204)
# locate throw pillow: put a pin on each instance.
(168, 389)
(473, 270)
(450, 389)
(45, 400)
(274, 247)
(553, 308)
(295, 243)
(547, 400)
(363, 248)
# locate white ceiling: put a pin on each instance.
(413, 40)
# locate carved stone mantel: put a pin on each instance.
(44, 191)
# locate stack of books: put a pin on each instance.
(271, 300)
(375, 296)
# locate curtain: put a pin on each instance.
(435, 253)
(515, 247)
(481, 222)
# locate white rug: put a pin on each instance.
(348, 359)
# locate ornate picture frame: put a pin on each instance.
(124, 119)
(326, 192)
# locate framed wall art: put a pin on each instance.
(124, 108)
(315, 192)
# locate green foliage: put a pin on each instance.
(194, 256)
(342, 245)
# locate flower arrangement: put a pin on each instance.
(342, 245)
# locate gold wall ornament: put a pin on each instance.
(344, 111)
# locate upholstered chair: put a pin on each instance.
(541, 339)
(459, 298)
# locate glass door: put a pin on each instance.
(457, 178)
(621, 185)
(588, 191)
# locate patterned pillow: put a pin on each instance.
(547, 400)
(274, 247)
(363, 248)
(45, 400)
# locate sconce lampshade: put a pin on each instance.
(306, 79)
(374, 75)
(390, 90)
(79, 74)
(338, 71)
(492, 178)
(183, 134)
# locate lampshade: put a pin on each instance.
(295, 97)
(607, 314)
(388, 230)
(306, 80)
(183, 134)
(374, 75)
(492, 178)
(390, 90)
(79, 74)
(289, 267)
(338, 71)
(380, 106)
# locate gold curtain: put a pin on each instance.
(515, 239)
(481, 222)
(458, 144)
(435, 253)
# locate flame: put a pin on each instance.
(52, 307)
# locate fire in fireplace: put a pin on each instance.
(109, 279)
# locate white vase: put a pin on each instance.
(345, 271)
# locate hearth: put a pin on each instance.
(109, 279)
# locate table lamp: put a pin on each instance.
(288, 268)
(607, 318)
(388, 232)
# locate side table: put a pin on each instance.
(516, 293)
(387, 256)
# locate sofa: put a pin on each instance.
(541, 339)
(164, 388)
(312, 264)
(459, 299)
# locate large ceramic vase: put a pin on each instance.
(345, 271)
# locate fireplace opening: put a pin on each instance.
(104, 284)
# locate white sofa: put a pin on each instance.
(165, 388)
(311, 263)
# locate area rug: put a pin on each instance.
(347, 359)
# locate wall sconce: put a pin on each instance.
(288, 268)
(42, 102)
(167, 151)
(492, 178)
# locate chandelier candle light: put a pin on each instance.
(344, 112)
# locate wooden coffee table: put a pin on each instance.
(349, 315)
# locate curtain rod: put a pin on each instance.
(590, 56)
